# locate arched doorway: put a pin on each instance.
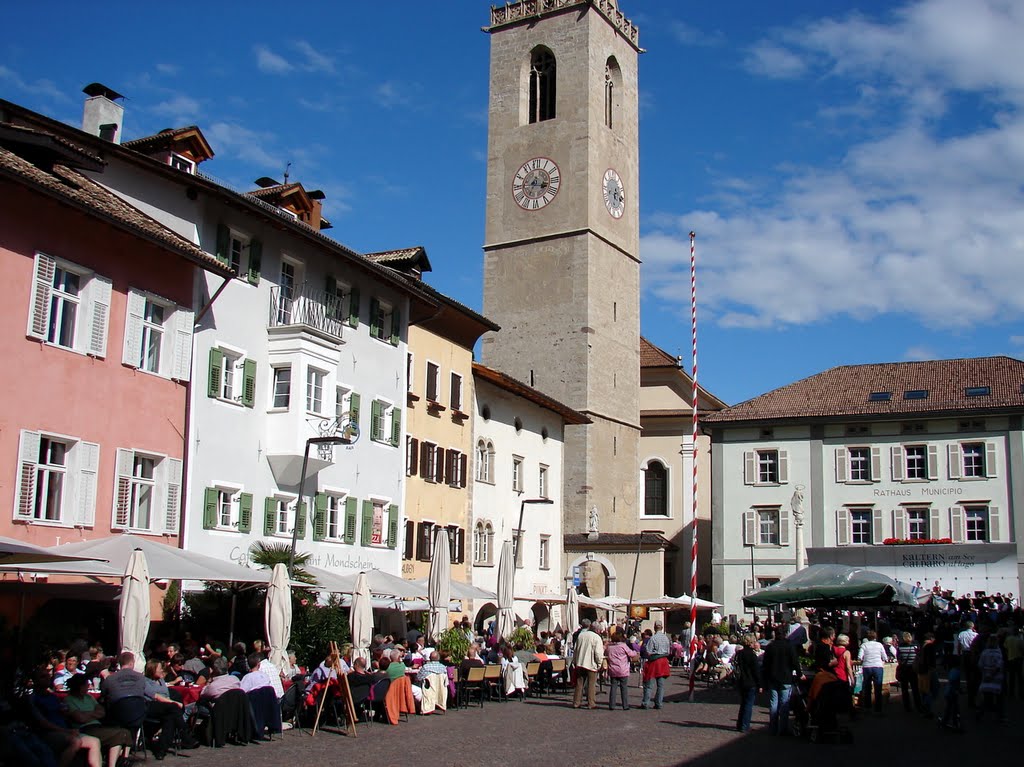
(483, 615)
(541, 617)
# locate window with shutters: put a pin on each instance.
(455, 468)
(917, 523)
(289, 285)
(158, 336)
(412, 456)
(69, 306)
(342, 403)
(56, 480)
(517, 473)
(976, 523)
(767, 467)
(385, 322)
(860, 464)
(147, 496)
(542, 481)
(143, 490)
(284, 509)
(455, 393)
(655, 490)
(485, 461)
(232, 376)
(385, 423)
(428, 461)
(860, 525)
(973, 458)
(916, 461)
(334, 517)
(545, 552)
(425, 541)
(315, 390)
(768, 527)
(542, 78)
(433, 382)
(237, 245)
(281, 395)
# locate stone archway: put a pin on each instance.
(588, 560)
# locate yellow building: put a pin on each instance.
(439, 423)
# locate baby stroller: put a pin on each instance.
(821, 700)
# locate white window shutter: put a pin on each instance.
(842, 527)
(783, 467)
(877, 535)
(842, 465)
(749, 528)
(783, 527)
(88, 468)
(39, 305)
(934, 522)
(172, 475)
(133, 328)
(898, 465)
(183, 321)
(991, 459)
(953, 457)
(899, 523)
(123, 487)
(28, 457)
(933, 461)
(876, 464)
(749, 468)
(956, 524)
(995, 532)
(100, 289)
(748, 586)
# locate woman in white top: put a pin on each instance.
(872, 657)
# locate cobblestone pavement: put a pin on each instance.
(547, 731)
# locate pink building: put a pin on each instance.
(96, 343)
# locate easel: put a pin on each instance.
(346, 694)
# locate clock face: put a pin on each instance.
(536, 183)
(614, 195)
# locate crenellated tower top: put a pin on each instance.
(530, 10)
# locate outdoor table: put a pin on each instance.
(189, 693)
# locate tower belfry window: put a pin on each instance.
(542, 85)
(612, 87)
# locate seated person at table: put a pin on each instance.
(49, 723)
(239, 663)
(85, 713)
(432, 666)
(221, 682)
(126, 682)
(177, 673)
(326, 670)
(197, 667)
(360, 680)
(396, 669)
(257, 678)
(71, 668)
(525, 656)
(472, 659)
(161, 705)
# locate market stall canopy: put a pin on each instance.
(464, 590)
(682, 602)
(164, 562)
(381, 584)
(15, 552)
(833, 586)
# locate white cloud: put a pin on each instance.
(925, 218)
(179, 108)
(246, 144)
(168, 69)
(315, 61)
(919, 354)
(773, 60)
(391, 94)
(271, 62)
(41, 87)
(691, 35)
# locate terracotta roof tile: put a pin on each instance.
(510, 384)
(846, 391)
(652, 356)
(616, 540)
(71, 186)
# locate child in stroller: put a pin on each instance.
(816, 705)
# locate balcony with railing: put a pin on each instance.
(303, 308)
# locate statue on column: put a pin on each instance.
(593, 519)
(797, 504)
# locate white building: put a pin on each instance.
(883, 456)
(517, 468)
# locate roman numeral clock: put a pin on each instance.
(536, 183)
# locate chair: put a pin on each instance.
(231, 719)
(558, 675)
(373, 704)
(493, 681)
(602, 675)
(435, 694)
(266, 711)
(130, 713)
(533, 681)
(472, 682)
(399, 701)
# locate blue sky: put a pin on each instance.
(853, 170)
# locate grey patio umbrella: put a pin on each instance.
(15, 552)
(360, 619)
(439, 591)
(506, 573)
(572, 611)
(134, 608)
(278, 617)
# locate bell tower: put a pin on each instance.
(561, 251)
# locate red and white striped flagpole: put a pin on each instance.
(693, 527)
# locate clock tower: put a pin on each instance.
(561, 251)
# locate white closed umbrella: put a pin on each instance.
(278, 617)
(439, 586)
(134, 608)
(506, 573)
(572, 610)
(360, 619)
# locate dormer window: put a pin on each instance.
(182, 163)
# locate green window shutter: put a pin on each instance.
(375, 329)
(392, 527)
(216, 369)
(269, 514)
(210, 508)
(353, 308)
(396, 327)
(350, 519)
(367, 522)
(300, 520)
(376, 430)
(245, 512)
(396, 426)
(249, 383)
(255, 261)
(353, 408)
(320, 517)
(223, 244)
(332, 301)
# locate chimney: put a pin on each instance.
(102, 115)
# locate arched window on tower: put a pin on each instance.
(656, 490)
(542, 85)
(612, 90)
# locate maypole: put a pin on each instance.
(693, 528)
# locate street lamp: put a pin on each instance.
(636, 566)
(333, 440)
(519, 533)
